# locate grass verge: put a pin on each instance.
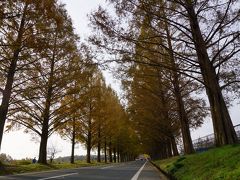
(217, 163)
(8, 169)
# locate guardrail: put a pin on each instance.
(206, 142)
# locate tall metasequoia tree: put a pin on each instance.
(175, 79)
(222, 124)
(149, 107)
(148, 78)
(6, 92)
(206, 48)
(89, 110)
(128, 143)
(17, 34)
(110, 121)
(37, 107)
(59, 55)
(187, 141)
(70, 128)
(119, 135)
(72, 104)
(152, 106)
(101, 115)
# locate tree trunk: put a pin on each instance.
(222, 124)
(118, 155)
(165, 152)
(6, 94)
(99, 146)
(169, 148)
(44, 136)
(89, 142)
(105, 150)
(127, 157)
(88, 154)
(122, 156)
(46, 114)
(114, 155)
(174, 146)
(43, 144)
(186, 135)
(89, 135)
(99, 152)
(110, 151)
(73, 141)
(72, 152)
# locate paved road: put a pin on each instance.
(138, 170)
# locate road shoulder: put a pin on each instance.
(150, 172)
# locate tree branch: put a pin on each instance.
(229, 83)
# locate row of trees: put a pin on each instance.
(48, 84)
(97, 120)
(168, 52)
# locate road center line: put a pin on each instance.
(54, 177)
(135, 177)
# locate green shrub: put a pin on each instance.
(4, 158)
(22, 162)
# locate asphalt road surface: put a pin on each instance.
(137, 170)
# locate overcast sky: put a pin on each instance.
(19, 145)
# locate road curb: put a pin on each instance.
(169, 176)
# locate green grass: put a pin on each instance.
(19, 167)
(217, 163)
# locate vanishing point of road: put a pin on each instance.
(135, 170)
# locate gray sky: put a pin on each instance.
(19, 145)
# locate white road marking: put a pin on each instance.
(135, 177)
(54, 177)
(30, 173)
(115, 165)
(107, 167)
